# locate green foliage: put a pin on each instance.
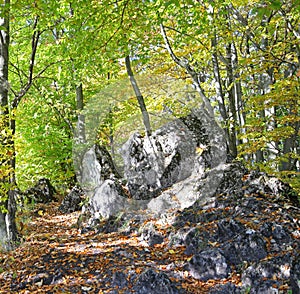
(6, 152)
(272, 119)
(84, 41)
(44, 146)
(165, 98)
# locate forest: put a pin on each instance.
(80, 72)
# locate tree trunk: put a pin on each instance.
(184, 63)
(241, 116)
(80, 135)
(286, 164)
(290, 146)
(219, 88)
(218, 81)
(8, 231)
(139, 96)
(231, 99)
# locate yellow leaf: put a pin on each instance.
(199, 150)
(135, 255)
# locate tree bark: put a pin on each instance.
(219, 88)
(8, 230)
(139, 96)
(231, 99)
(80, 136)
(289, 147)
(218, 81)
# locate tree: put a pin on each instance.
(245, 56)
(139, 96)
(243, 59)
(27, 74)
(8, 232)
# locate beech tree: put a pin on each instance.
(24, 74)
(8, 232)
(245, 55)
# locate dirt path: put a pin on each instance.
(56, 257)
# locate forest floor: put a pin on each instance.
(56, 257)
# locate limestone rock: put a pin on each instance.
(151, 282)
(225, 289)
(295, 275)
(197, 187)
(239, 228)
(72, 201)
(107, 200)
(209, 264)
(96, 167)
(230, 220)
(173, 153)
(154, 163)
(42, 191)
(264, 275)
(248, 247)
(90, 176)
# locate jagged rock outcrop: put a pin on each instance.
(198, 187)
(107, 200)
(181, 148)
(166, 171)
(151, 282)
(231, 221)
(41, 192)
(295, 274)
(246, 227)
(96, 167)
(245, 235)
(72, 202)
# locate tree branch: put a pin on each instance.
(184, 63)
(66, 120)
(25, 89)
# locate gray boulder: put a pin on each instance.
(295, 275)
(246, 247)
(156, 162)
(107, 200)
(90, 173)
(96, 167)
(151, 282)
(177, 165)
(265, 274)
(199, 187)
(72, 202)
(209, 264)
(180, 149)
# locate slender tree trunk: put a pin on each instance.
(232, 105)
(219, 88)
(218, 82)
(259, 153)
(80, 136)
(241, 117)
(111, 133)
(139, 96)
(4, 44)
(286, 164)
(8, 231)
(290, 146)
(184, 63)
